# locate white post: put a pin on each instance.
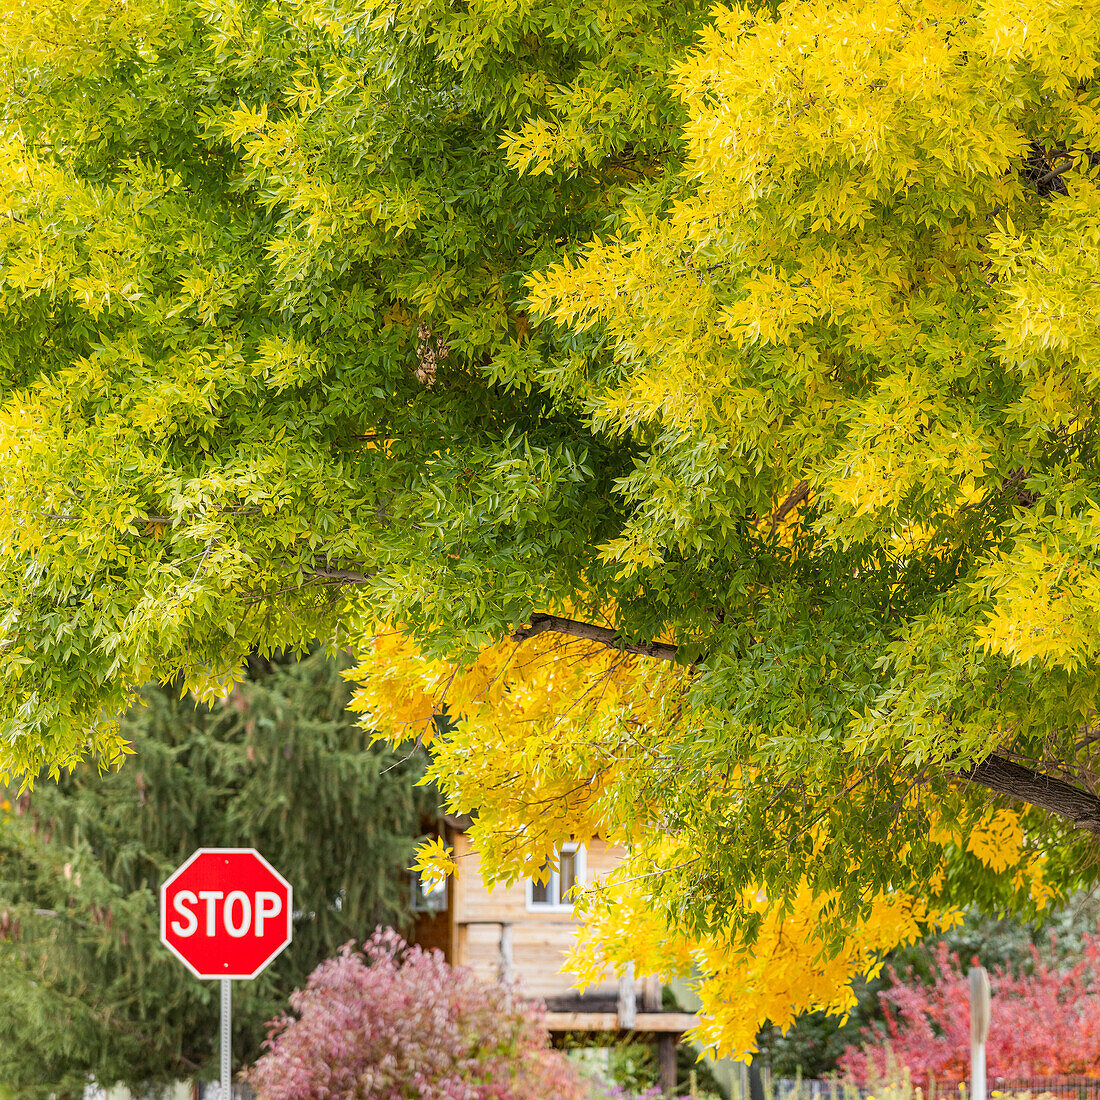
(979, 1030)
(227, 1037)
(628, 1003)
(507, 963)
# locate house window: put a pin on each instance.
(554, 892)
(427, 896)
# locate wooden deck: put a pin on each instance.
(652, 1023)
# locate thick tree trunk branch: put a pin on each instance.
(539, 624)
(1080, 806)
(794, 498)
(995, 772)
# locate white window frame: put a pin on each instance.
(553, 887)
(423, 901)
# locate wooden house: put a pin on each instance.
(522, 933)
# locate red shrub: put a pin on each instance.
(395, 1022)
(1046, 1022)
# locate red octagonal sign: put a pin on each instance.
(225, 913)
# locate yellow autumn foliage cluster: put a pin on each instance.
(553, 740)
(787, 970)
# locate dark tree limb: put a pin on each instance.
(995, 772)
(539, 624)
(1027, 785)
(794, 498)
(331, 575)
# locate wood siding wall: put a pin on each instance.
(540, 938)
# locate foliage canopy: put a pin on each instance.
(768, 333)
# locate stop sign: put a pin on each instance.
(225, 913)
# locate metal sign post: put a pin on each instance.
(979, 1030)
(227, 1037)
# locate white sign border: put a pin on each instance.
(164, 911)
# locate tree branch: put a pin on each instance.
(995, 772)
(539, 624)
(1044, 791)
(330, 575)
(794, 498)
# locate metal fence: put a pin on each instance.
(1061, 1088)
(181, 1090)
(1064, 1088)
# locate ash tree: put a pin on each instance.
(698, 404)
(279, 765)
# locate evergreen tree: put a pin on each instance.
(279, 765)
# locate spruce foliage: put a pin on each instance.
(279, 765)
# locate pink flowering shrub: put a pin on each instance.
(394, 1022)
(1043, 1023)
